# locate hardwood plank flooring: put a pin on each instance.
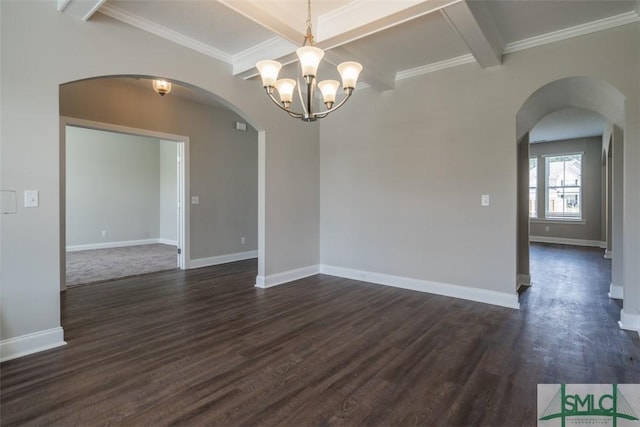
(205, 347)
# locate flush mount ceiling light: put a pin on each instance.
(163, 87)
(309, 57)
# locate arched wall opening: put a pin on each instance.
(206, 127)
(589, 94)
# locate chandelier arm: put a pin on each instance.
(323, 114)
(304, 107)
(291, 113)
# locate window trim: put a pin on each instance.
(547, 215)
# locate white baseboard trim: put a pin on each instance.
(168, 242)
(221, 259)
(523, 280)
(629, 322)
(616, 292)
(563, 241)
(23, 345)
(445, 289)
(608, 254)
(286, 276)
(109, 245)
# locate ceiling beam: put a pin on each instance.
(357, 19)
(82, 9)
(472, 20)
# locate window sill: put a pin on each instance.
(558, 221)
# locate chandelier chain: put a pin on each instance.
(308, 37)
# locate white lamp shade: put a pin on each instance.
(310, 57)
(349, 72)
(162, 86)
(329, 89)
(269, 72)
(285, 88)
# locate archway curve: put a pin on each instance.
(223, 103)
(205, 92)
(581, 92)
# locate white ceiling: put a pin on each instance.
(393, 39)
(568, 123)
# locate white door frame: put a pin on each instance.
(183, 183)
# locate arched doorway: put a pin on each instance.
(584, 93)
(128, 104)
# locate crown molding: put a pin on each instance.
(127, 17)
(274, 48)
(578, 30)
(436, 66)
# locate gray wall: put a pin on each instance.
(30, 149)
(168, 191)
(113, 185)
(402, 172)
(592, 197)
(223, 161)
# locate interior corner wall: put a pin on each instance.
(30, 150)
(402, 172)
(113, 186)
(590, 228)
(522, 212)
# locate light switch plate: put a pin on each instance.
(31, 199)
(484, 200)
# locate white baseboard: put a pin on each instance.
(608, 254)
(523, 280)
(23, 345)
(616, 292)
(445, 289)
(286, 276)
(563, 241)
(629, 322)
(168, 242)
(221, 259)
(109, 245)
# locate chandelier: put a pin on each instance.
(309, 57)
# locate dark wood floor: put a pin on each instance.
(204, 347)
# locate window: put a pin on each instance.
(533, 187)
(564, 186)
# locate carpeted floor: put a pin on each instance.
(105, 264)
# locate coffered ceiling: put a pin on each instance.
(393, 39)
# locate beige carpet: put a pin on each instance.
(106, 264)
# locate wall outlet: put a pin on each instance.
(104, 233)
(195, 200)
(484, 200)
(243, 240)
(546, 228)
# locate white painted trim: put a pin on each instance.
(286, 276)
(608, 254)
(445, 289)
(62, 5)
(23, 345)
(221, 259)
(578, 30)
(629, 322)
(168, 242)
(275, 48)
(563, 241)
(436, 66)
(616, 292)
(109, 245)
(166, 33)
